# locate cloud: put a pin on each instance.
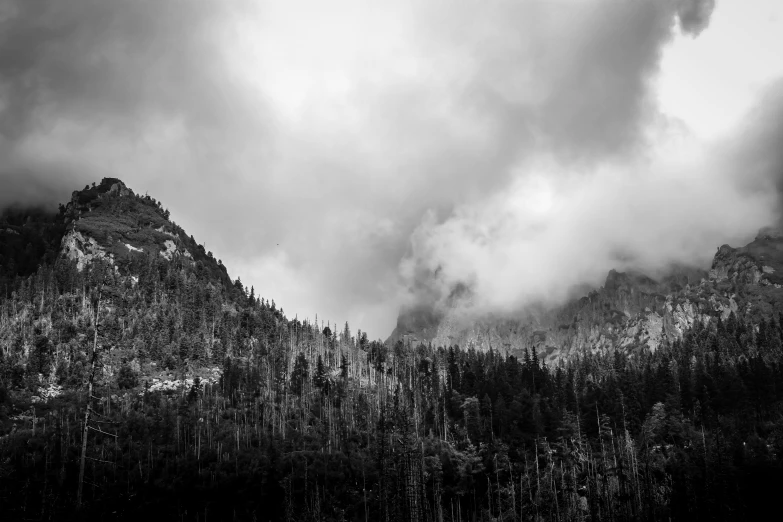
(695, 15)
(553, 231)
(305, 141)
(111, 62)
(758, 156)
(84, 83)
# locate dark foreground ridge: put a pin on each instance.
(208, 403)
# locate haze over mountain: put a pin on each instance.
(138, 381)
(571, 209)
(338, 155)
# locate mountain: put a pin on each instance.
(107, 221)
(137, 381)
(171, 310)
(631, 311)
(110, 222)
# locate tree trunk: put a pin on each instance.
(87, 411)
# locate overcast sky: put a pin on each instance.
(345, 157)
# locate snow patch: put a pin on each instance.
(133, 248)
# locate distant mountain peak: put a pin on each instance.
(108, 221)
(631, 311)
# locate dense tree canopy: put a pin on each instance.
(308, 422)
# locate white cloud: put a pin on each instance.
(331, 128)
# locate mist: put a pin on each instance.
(553, 231)
(336, 156)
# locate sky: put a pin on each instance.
(348, 158)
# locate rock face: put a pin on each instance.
(109, 222)
(83, 250)
(630, 312)
(173, 250)
(758, 263)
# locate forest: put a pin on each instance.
(158, 388)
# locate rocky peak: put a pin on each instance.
(91, 195)
(757, 263)
(108, 221)
(631, 311)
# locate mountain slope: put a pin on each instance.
(110, 222)
(208, 403)
(631, 311)
(168, 309)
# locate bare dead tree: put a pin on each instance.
(88, 408)
(88, 411)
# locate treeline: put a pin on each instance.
(308, 423)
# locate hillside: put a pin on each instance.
(630, 311)
(110, 222)
(111, 251)
(138, 381)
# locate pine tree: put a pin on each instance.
(320, 379)
(299, 374)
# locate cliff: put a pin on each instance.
(110, 222)
(631, 311)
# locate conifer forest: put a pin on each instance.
(141, 386)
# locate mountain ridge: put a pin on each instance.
(109, 249)
(630, 311)
(110, 222)
(148, 382)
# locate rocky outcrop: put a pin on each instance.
(632, 311)
(119, 189)
(109, 222)
(83, 250)
(163, 230)
(173, 250)
(554, 341)
(734, 265)
(758, 263)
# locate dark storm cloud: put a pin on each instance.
(695, 15)
(645, 204)
(34, 187)
(758, 154)
(103, 70)
(571, 77)
(109, 61)
(327, 128)
(583, 99)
